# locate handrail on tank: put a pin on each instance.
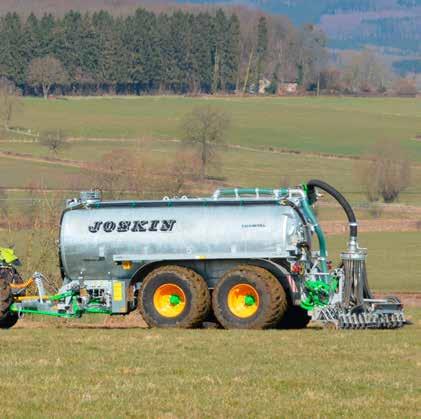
(238, 193)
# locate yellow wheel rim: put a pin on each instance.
(169, 300)
(243, 300)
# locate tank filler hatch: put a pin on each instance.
(86, 198)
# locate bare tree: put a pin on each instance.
(366, 72)
(9, 101)
(45, 72)
(387, 172)
(54, 140)
(4, 210)
(118, 172)
(121, 173)
(206, 128)
(405, 87)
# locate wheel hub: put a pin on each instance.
(169, 300)
(175, 299)
(243, 300)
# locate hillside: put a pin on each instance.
(351, 24)
(392, 27)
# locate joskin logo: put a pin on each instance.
(138, 226)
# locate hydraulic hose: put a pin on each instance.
(26, 284)
(353, 227)
(302, 218)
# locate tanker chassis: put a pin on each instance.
(245, 258)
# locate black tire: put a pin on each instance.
(197, 304)
(295, 318)
(10, 275)
(7, 319)
(272, 298)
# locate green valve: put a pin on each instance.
(175, 300)
(317, 294)
(249, 300)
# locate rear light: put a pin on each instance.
(296, 268)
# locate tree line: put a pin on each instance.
(180, 52)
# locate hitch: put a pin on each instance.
(71, 301)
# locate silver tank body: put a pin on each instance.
(95, 239)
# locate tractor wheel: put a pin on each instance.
(173, 296)
(7, 319)
(249, 297)
(295, 318)
(10, 275)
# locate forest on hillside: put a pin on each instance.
(178, 51)
(353, 24)
(146, 52)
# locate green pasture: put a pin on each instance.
(145, 124)
(22, 174)
(393, 262)
(236, 167)
(328, 125)
(54, 371)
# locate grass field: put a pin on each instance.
(56, 372)
(18, 173)
(329, 125)
(332, 125)
(345, 126)
(238, 167)
(393, 262)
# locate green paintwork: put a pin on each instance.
(175, 300)
(97, 310)
(15, 309)
(77, 311)
(58, 297)
(249, 300)
(317, 295)
(318, 291)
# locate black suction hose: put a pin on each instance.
(353, 228)
(314, 183)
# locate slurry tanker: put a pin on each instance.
(244, 258)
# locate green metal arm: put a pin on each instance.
(76, 310)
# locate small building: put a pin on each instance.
(288, 88)
(263, 84)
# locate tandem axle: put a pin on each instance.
(243, 258)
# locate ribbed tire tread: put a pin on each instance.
(274, 310)
(7, 319)
(198, 288)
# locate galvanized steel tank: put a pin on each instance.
(97, 236)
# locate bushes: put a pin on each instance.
(386, 173)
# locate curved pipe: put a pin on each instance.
(26, 284)
(319, 232)
(302, 218)
(353, 227)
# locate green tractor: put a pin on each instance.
(10, 285)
